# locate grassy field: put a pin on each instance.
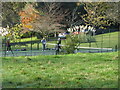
(25, 39)
(34, 46)
(82, 70)
(109, 40)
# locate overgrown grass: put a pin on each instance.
(82, 70)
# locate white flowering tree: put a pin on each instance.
(3, 31)
(3, 34)
(12, 33)
(82, 29)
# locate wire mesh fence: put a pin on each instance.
(27, 53)
(18, 50)
(105, 42)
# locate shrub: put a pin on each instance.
(73, 41)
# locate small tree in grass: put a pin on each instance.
(78, 35)
(73, 41)
(70, 44)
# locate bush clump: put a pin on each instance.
(73, 41)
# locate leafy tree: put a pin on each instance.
(53, 17)
(74, 18)
(27, 16)
(97, 15)
(10, 11)
(73, 41)
(113, 12)
(46, 20)
(15, 32)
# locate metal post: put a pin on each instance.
(31, 44)
(5, 46)
(89, 40)
(95, 40)
(37, 46)
(102, 42)
(89, 45)
(116, 48)
(109, 38)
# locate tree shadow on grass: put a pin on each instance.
(54, 83)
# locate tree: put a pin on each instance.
(47, 20)
(51, 19)
(27, 16)
(97, 15)
(15, 32)
(74, 18)
(113, 12)
(10, 11)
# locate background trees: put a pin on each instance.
(10, 11)
(113, 12)
(48, 18)
(51, 18)
(45, 19)
(27, 16)
(97, 14)
(74, 17)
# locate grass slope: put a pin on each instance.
(109, 40)
(82, 70)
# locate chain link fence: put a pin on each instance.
(105, 42)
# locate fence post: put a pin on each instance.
(102, 42)
(5, 47)
(37, 46)
(89, 45)
(31, 44)
(116, 48)
(109, 38)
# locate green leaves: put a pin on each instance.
(97, 14)
(10, 13)
(15, 32)
(73, 41)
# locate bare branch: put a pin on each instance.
(51, 20)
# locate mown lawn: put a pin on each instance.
(25, 39)
(82, 70)
(108, 40)
(34, 46)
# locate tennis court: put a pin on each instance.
(52, 52)
(27, 53)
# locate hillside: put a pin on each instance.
(110, 40)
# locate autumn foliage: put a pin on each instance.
(28, 15)
(47, 20)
